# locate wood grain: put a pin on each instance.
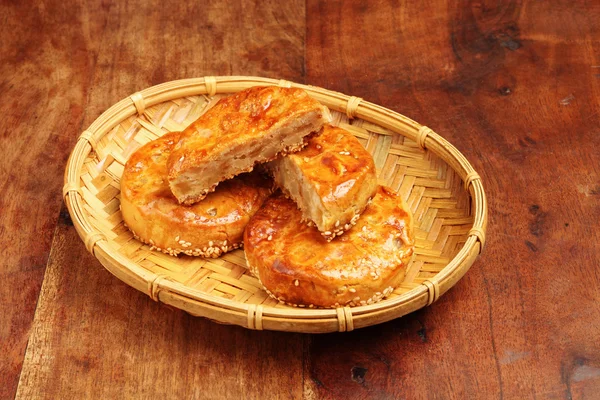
(44, 80)
(63, 64)
(512, 84)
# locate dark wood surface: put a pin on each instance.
(515, 85)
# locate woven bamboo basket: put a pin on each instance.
(439, 185)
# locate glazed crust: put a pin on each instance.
(297, 266)
(249, 127)
(331, 180)
(208, 228)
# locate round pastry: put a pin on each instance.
(299, 267)
(208, 228)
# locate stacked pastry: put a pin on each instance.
(328, 236)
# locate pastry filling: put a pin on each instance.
(193, 185)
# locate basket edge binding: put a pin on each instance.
(269, 317)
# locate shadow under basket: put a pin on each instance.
(439, 185)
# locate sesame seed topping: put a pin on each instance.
(296, 282)
(270, 237)
(177, 238)
(352, 290)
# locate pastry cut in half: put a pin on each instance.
(299, 267)
(208, 228)
(249, 127)
(331, 180)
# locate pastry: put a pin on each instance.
(299, 267)
(331, 180)
(249, 127)
(208, 228)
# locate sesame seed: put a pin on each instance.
(306, 159)
(296, 282)
(270, 237)
(352, 290)
(210, 243)
(337, 223)
(327, 233)
(177, 238)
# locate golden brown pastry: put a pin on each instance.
(208, 228)
(296, 265)
(331, 180)
(249, 127)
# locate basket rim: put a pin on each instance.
(354, 107)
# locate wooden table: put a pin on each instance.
(515, 85)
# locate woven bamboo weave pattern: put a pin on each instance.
(438, 183)
(430, 187)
